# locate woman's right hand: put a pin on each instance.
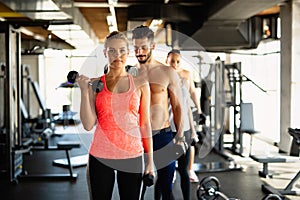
(83, 82)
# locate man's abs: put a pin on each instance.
(159, 108)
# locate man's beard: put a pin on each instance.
(147, 58)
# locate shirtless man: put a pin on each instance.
(164, 85)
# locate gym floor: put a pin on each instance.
(244, 184)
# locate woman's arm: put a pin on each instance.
(145, 127)
(191, 120)
(193, 93)
(87, 104)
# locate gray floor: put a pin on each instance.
(244, 184)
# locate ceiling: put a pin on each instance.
(65, 24)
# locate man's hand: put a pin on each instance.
(181, 147)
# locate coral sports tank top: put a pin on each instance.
(117, 134)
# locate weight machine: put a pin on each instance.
(41, 122)
(213, 104)
(12, 146)
(10, 118)
(234, 79)
(221, 100)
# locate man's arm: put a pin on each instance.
(176, 101)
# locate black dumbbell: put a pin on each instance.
(72, 75)
(148, 180)
(272, 197)
(97, 85)
(208, 187)
(202, 119)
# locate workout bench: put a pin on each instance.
(265, 160)
(60, 146)
(288, 190)
(279, 158)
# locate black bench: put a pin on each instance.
(265, 160)
(66, 146)
(288, 190)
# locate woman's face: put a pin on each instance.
(116, 52)
(173, 60)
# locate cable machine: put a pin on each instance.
(10, 136)
(214, 105)
(233, 102)
(12, 145)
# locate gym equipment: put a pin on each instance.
(76, 161)
(247, 122)
(97, 85)
(288, 190)
(279, 158)
(209, 189)
(213, 105)
(241, 111)
(40, 122)
(10, 115)
(272, 197)
(132, 70)
(66, 146)
(148, 180)
(12, 144)
(202, 119)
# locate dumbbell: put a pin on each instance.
(272, 197)
(148, 180)
(209, 189)
(132, 70)
(129, 68)
(72, 75)
(202, 119)
(97, 85)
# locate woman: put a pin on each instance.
(120, 111)
(173, 60)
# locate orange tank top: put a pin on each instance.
(117, 134)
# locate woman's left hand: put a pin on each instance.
(150, 168)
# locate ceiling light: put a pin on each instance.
(99, 5)
(32, 34)
(112, 23)
(71, 34)
(26, 31)
(64, 27)
(111, 19)
(155, 23)
(113, 2)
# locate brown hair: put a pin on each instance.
(143, 32)
(173, 51)
(116, 35)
